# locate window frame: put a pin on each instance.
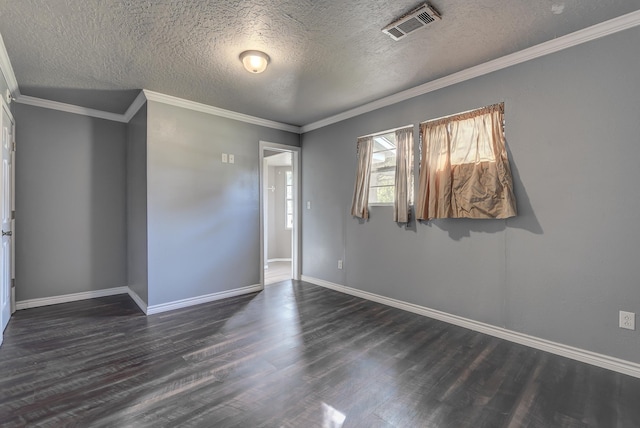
(288, 184)
(389, 169)
(373, 170)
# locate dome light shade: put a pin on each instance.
(254, 61)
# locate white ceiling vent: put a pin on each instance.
(418, 18)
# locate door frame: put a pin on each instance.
(11, 267)
(297, 197)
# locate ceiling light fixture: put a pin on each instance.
(254, 61)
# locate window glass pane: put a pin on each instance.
(383, 159)
(288, 199)
(383, 169)
(383, 178)
(384, 142)
(382, 187)
(381, 195)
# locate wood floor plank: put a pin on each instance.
(292, 355)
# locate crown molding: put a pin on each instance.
(135, 106)
(7, 70)
(70, 108)
(216, 111)
(594, 32)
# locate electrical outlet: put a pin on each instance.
(339, 264)
(308, 205)
(627, 320)
(224, 158)
(232, 159)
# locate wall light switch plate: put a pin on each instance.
(232, 159)
(339, 264)
(627, 320)
(308, 205)
(224, 158)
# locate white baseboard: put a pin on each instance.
(170, 306)
(148, 310)
(595, 359)
(278, 260)
(141, 304)
(65, 298)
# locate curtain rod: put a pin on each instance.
(461, 113)
(375, 134)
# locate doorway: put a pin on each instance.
(279, 213)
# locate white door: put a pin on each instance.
(6, 175)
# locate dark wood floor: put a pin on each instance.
(294, 355)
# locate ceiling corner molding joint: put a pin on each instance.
(135, 106)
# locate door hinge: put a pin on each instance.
(13, 215)
(13, 282)
(13, 146)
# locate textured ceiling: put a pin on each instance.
(327, 56)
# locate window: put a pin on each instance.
(464, 169)
(385, 173)
(288, 199)
(382, 184)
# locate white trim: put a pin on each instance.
(594, 32)
(278, 260)
(178, 304)
(296, 232)
(70, 108)
(135, 106)
(7, 110)
(7, 70)
(388, 131)
(66, 298)
(216, 111)
(137, 299)
(593, 358)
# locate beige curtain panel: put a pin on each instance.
(464, 170)
(404, 175)
(360, 204)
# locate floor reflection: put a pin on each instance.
(277, 272)
(331, 418)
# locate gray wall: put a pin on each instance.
(137, 204)
(567, 264)
(279, 242)
(203, 215)
(70, 203)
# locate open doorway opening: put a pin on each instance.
(279, 212)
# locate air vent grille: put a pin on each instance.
(395, 32)
(426, 18)
(418, 18)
